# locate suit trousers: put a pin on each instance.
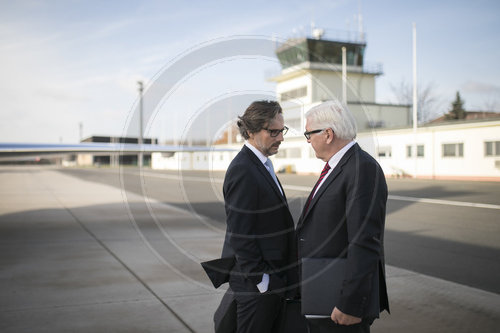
(255, 312)
(328, 326)
(225, 315)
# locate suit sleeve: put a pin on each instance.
(241, 196)
(366, 197)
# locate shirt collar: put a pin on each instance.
(335, 159)
(257, 152)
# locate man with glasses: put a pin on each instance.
(344, 218)
(260, 233)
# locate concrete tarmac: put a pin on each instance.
(436, 228)
(77, 256)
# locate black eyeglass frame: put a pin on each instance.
(275, 132)
(308, 134)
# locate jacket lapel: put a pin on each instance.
(282, 189)
(267, 176)
(335, 172)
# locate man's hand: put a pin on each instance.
(341, 318)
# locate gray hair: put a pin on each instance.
(332, 114)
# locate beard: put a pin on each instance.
(267, 150)
(273, 149)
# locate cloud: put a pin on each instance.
(479, 87)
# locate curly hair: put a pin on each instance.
(257, 116)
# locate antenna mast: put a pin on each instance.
(360, 22)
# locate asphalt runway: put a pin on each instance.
(444, 229)
(119, 250)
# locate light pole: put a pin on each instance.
(80, 126)
(344, 76)
(415, 100)
(140, 159)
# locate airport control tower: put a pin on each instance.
(312, 72)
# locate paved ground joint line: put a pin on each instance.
(74, 305)
(137, 277)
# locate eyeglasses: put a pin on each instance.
(308, 134)
(275, 132)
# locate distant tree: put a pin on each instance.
(426, 99)
(490, 102)
(457, 109)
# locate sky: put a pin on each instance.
(70, 68)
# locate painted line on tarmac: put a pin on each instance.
(308, 189)
(444, 202)
(413, 199)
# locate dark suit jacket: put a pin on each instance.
(346, 219)
(260, 232)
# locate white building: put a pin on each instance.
(312, 73)
(451, 150)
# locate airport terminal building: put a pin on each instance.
(315, 70)
(115, 159)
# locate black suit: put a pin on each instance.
(260, 235)
(346, 219)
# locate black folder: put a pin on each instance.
(322, 280)
(218, 270)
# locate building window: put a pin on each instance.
(293, 153)
(294, 93)
(384, 151)
(453, 150)
(281, 153)
(420, 151)
(375, 124)
(492, 148)
(289, 153)
(294, 126)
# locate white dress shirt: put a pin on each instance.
(264, 284)
(334, 160)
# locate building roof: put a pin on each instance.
(470, 116)
(118, 139)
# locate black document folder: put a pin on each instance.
(322, 280)
(218, 270)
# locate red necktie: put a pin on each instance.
(323, 174)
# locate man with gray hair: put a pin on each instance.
(344, 218)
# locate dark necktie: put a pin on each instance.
(323, 174)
